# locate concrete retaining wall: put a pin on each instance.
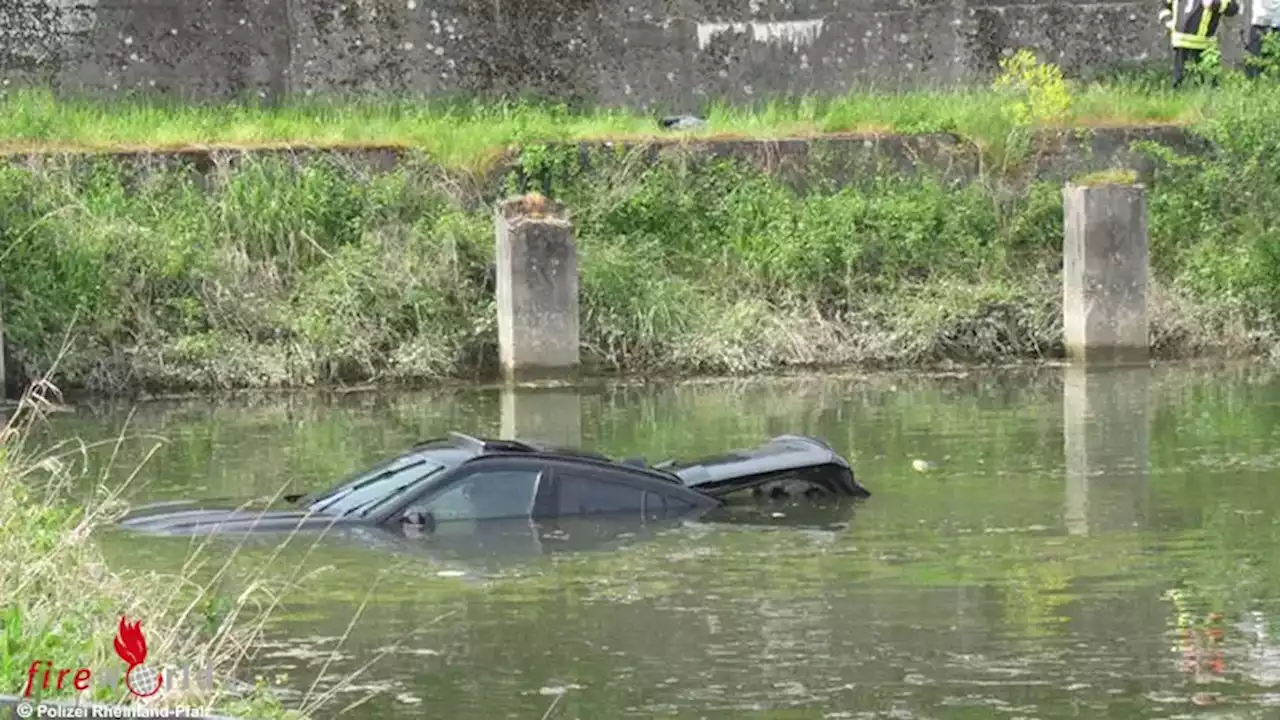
(842, 160)
(674, 53)
(804, 164)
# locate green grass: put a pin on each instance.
(472, 135)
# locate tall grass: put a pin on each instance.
(472, 135)
(281, 275)
(63, 603)
(323, 272)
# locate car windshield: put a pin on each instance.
(369, 488)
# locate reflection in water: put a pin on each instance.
(834, 515)
(1105, 430)
(959, 593)
(550, 416)
(469, 546)
(1260, 660)
(488, 543)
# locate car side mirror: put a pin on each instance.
(418, 522)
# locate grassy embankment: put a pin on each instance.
(471, 136)
(275, 275)
(63, 601)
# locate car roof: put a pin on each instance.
(488, 446)
(474, 446)
(457, 449)
(778, 454)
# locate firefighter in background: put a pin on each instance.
(1265, 21)
(1196, 30)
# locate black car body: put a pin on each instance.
(785, 467)
(462, 478)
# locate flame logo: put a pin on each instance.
(131, 646)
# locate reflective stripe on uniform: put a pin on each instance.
(1193, 42)
(1206, 17)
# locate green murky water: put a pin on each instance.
(1027, 576)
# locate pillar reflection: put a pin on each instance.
(1105, 438)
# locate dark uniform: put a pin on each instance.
(1265, 21)
(1196, 30)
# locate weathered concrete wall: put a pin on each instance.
(617, 52)
(810, 163)
(847, 160)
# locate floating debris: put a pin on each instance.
(558, 689)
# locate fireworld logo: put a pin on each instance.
(130, 644)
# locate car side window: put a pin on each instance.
(487, 495)
(582, 495)
(656, 503)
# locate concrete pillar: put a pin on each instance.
(1104, 273)
(1234, 33)
(550, 415)
(1105, 426)
(537, 289)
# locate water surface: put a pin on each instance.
(1026, 576)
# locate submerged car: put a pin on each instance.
(464, 478)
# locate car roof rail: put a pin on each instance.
(481, 445)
